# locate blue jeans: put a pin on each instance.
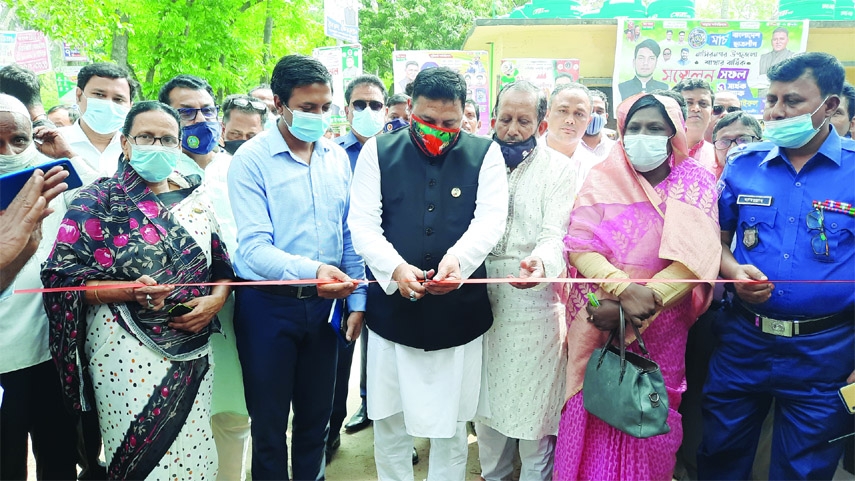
(748, 369)
(288, 355)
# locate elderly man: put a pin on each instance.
(569, 114)
(790, 342)
(724, 102)
(699, 99)
(428, 205)
(32, 403)
(523, 350)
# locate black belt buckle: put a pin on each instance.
(301, 295)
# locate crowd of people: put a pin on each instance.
(206, 285)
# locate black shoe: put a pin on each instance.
(358, 421)
(415, 457)
(332, 446)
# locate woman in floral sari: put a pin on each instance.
(647, 211)
(120, 351)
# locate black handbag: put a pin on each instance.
(624, 389)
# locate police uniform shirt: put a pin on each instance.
(765, 203)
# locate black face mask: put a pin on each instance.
(516, 152)
(231, 146)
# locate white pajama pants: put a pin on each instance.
(393, 452)
(496, 452)
(231, 435)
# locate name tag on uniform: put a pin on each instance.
(761, 200)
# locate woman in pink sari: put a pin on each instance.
(647, 211)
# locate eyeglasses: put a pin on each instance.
(168, 141)
(243, 103)
(359, 105)
(724, 144)
(819, 242)
(719, 109)
(187, 114)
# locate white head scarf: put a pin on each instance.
(27, 158)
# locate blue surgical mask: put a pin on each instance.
(271, 122)
(200, 138)
(367, 122)
(153, 163)
(646, 152)
(516, 152)
(793, 132)
(307, 126)
(104, 116)
(596, 125)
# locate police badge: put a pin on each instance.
(750, 238)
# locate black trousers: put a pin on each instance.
(32, 404)
(342, 376)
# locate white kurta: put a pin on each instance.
(524, 358)
(434, 389)
(582, 159)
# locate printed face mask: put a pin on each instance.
(200, 138)
(596, 125)
(153, 163)
(516, 152)
(646, 152)
(432, 140)
(793, 132)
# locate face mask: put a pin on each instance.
(596, 125)
(232, 145)
(516, 152)
(367, 122)
(15, 162)
(307, 126)
(432, 140)
(646, 152)
(271, 122)
(104, 116)
(793, 132)
(200, 138)
(153, 163)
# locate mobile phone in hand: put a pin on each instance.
(847, 395)
(338, 324)
(179, 310)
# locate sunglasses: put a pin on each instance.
(819, 242)
(243, 103)
(719, 109)
(359, 105)
(210, 113)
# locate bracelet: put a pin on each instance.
(97, 297)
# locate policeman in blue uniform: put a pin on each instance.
(791, 341)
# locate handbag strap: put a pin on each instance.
(622, 334)
(640, 340)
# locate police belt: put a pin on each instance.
(790, 328)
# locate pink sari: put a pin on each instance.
(640, 229)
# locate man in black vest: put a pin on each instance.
(428, 204)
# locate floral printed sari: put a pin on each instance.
(145, 377)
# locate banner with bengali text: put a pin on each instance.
(345, 64)
(732, 55)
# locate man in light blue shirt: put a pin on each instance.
(289, 190)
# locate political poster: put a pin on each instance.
(66, 84)
(73, 54)
(344, 63)
(542, 72)
(28, 48)
(341, 20)
(732, 55)
(406, 64)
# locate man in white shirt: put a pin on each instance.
(569, 113)
(523, 351)
(105, 93)
(595, 138)
(428, 204)
(31, 402)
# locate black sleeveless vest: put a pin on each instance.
(428, 203)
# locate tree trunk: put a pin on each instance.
(119, 50)
(267, 39)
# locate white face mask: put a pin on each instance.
(16, 162)
(646, 152)
(367, 122)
